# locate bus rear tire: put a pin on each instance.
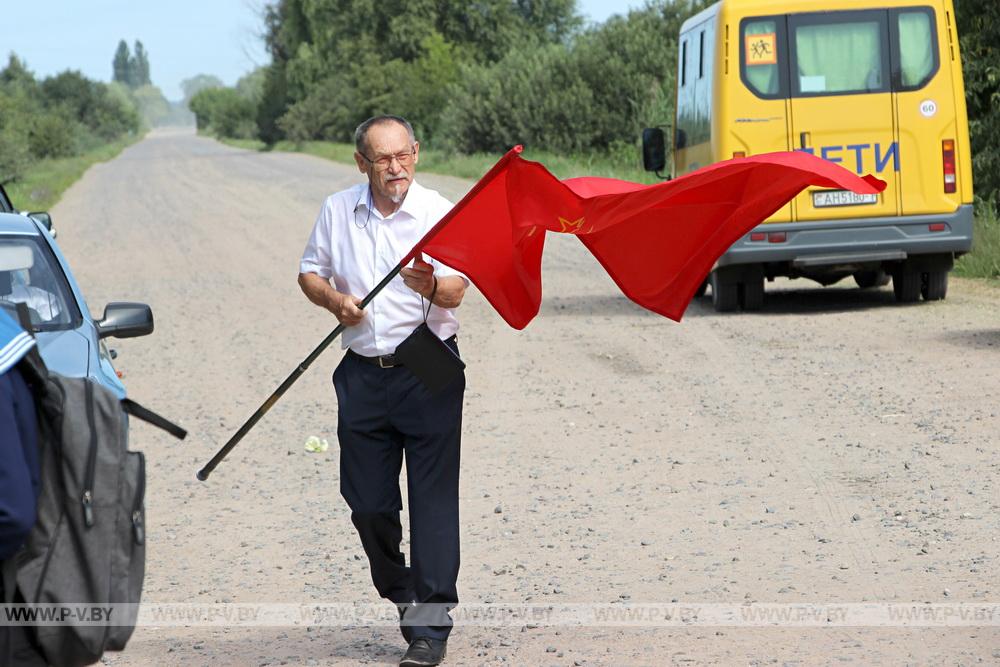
(751, 294)
(906, 284)
(725, 294)
(934, 285)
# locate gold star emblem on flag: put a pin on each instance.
(570, 226)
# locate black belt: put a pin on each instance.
(385, 360)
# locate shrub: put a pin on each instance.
(14, 155)
(597, 91)
(52, 135)
(323, 114)
(223, 111)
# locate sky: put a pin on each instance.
(183, 38)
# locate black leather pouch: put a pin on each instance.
(429, 358)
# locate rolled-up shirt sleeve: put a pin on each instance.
(442, 270)
(316, 257)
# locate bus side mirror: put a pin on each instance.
(654, 153)
(680, 139)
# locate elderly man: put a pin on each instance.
(384, 410)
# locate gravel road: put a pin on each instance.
(833, 448)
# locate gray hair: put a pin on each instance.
(361, 134)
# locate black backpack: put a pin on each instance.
(88, 544)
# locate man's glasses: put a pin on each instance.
(382, 162)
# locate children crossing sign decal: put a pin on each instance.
(762, 49)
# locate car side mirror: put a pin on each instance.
(654, 153)
(44, 219)
(126, 320)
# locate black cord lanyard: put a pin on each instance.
(430, 301)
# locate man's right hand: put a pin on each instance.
(345, 309)
(343, 306)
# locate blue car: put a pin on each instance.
(34, 272)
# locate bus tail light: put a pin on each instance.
(739, 154)
(776, 237)
(948, 161)
(758, 236)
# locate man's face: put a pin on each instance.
(390, 181)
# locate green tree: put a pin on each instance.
(16, 76)
(195, 84)
(273, 105)
(120, 65)
(15, 122)
(140, 66)
(224, 112)
(59, 116)
(152, 106)
(367, 57)
(51, 135)
(978, 23)
(251, 86)
(285, 28)
(594, 93)
(72, 91)
(90, 104)
(422, 88)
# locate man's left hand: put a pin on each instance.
(419, 278)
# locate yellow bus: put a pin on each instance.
(875, 86)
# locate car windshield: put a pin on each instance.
(30, 274)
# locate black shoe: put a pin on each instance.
(424, 652)
(405, 630)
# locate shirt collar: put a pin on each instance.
(410, 206)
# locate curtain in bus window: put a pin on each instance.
(839, 57)
(763, 77)
(915, 48)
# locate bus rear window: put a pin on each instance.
(839, 56)
(839, 53)
(917, 47)
(760, 57)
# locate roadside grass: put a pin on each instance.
(45, 181)
(984, 260)
(623, 162)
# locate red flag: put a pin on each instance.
(657, 242)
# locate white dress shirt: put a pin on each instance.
(355, 247)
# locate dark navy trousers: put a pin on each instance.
(384, 413)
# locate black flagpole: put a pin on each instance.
(203, 474)
(290, 380)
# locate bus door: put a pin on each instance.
(760, 108)
(840, 86)
(926, 114)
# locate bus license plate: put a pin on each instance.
(827, 198)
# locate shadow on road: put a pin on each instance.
(982, 339)
(805, 301)
(811, 300)
(592, 306)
